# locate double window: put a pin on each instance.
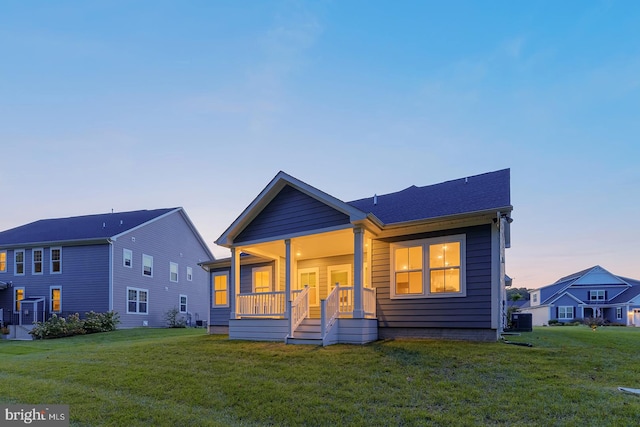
(565, 312)
(220, 289)
(137, 301)
(429, 268)
(599, 295)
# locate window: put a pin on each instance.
(220, 285)
(565, 312)
(55, 299)
(189, 274)
(598, 295)
(429, 268)
(3, 261)
(147, 265)
(36, 261)
(127, 258)
(55, 266)
(137, 301)
(309, 277)
(261, 279)
(183, 303)
(18, 262)
(18, 295)
(619, 313)
(535, 297)
(341, 275)
(173, 272)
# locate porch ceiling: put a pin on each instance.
(307, 247)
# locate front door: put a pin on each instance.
(309, 277)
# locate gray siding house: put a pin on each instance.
(306, 267)
(594, 292)
(139, 264)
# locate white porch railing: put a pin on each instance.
(263, 304)
(369, 302)
(330, 311)
(299, 309)
(345, 299)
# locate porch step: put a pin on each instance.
(304, 341)
(308, 332)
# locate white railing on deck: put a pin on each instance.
(263, 304)
(369, 302)
(299, 308)
(345, 299)
(330, 310)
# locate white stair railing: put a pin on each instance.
(329, 311)
(299, 309)
(369, 302)
(262, 304)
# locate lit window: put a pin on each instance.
(189, 274)
(127, 258)
(220, 285)
(55, 305)
(173, 272)
(3, 261)
(18, 295)
(183, 303)
(137, 301)
(18, 262)
(261, 279)
(36, 261)
(565, 312)
(56, 260)
(429, 268)
(309, 277)
(598, 295)
(341, 275)
(147, 265)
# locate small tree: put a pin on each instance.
(174, 319)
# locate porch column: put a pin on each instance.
(234, 282)
(358, 259)
(287, 278)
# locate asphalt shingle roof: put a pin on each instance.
(88, 227)
(475, 193)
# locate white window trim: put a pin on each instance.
(124, 257)
(597, 292)
(51, 288)
(172, 266)
(186, 304)
(138, 290)
(15, 262)
(33, 261)
(189, 274)
(149, 257)
(618, 313)
(340, 267)
(259, 270)
(565, 307)
(426, 288)
(300, 286)
(15, 291)
(51, 260)
(213, 289)
(6, 263)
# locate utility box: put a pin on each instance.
(522, 322)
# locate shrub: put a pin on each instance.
(58, 327)
(553, 322)
(101, 322)
(174, 319)
(594, 322)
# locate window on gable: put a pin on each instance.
(220, 286)
(147, 265)
(55, 299)
(189, 274)
(127, 258)
(3, 261)
(428, 268)
(18, 262)
(55, 266)
(173, 272)
(36, 261)
(183, 303)
(598, 295)
(137, 301)
(565, 312)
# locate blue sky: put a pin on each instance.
(139, 105)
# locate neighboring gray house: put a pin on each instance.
(139, 264)
(593, 292)
(306, 267)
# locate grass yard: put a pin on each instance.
(182, 377)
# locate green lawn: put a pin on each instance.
(182, 377)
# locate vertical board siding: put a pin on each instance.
(472, 311)
(291, 211)
(168, 239)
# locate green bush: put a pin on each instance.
(174, 319)
(58, 327)
(553, 322)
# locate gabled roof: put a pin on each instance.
(479, 193)
(79, 228)
(488, 191)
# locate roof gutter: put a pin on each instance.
(455, 217)
(78, 242)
